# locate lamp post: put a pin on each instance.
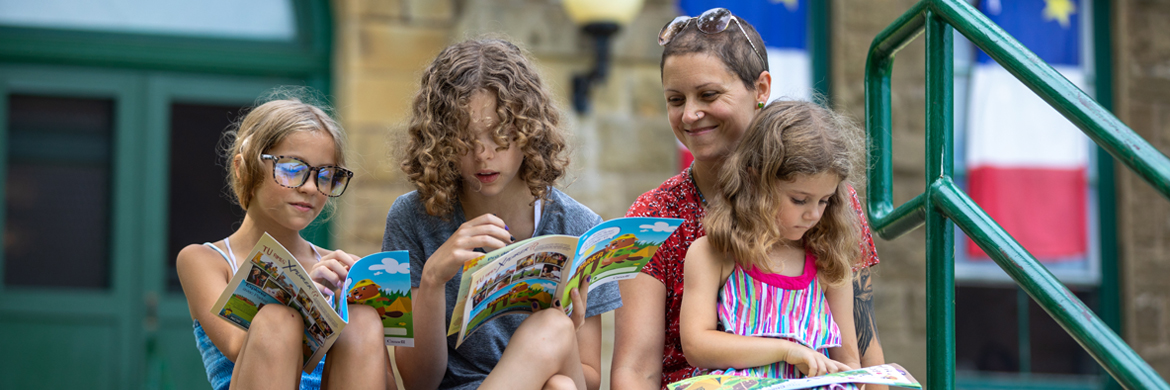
(599, 19)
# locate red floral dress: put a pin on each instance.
(678, 197)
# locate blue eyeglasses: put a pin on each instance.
(293, 172)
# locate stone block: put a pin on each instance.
(378, 100)
(377, 152)
(398, 48)
(388, 9)
(541, 27)
(430, 11)
(627, 142)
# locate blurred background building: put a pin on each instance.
(111, 111)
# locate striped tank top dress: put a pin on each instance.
(794, 308)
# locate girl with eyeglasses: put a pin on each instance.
(285, 161)
(484, 149)
(715, 80)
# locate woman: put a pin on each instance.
(715, 79)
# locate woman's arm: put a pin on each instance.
(639, 334)
(204, 275)
(863, 318)
(707, 347)
(840, 299)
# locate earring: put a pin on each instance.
(760, 105)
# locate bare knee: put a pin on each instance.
(550, 334)
(277, 329)
(364, 327)
(560, 382)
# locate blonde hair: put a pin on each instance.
(788, 139)
(438, 132)
(264, 127)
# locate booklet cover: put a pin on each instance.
(382, 281)
(272, 276)
(541, 269)
(886, 374)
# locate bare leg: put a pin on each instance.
(541, 354)
(358, 358)
(271, 355)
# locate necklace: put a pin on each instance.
(691, 175)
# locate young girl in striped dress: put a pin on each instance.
(761, 289)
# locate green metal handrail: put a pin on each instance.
(943, 201)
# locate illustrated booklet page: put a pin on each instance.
(541, 269)
(272, 276)
(885, 374)
(382, 281)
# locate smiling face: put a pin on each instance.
(293, 208)
(708, 106)
(803, 202)
(489, 169)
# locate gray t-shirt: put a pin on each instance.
(409, 227)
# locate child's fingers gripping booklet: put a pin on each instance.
(885, 374)
(542, 269)
(272, 276)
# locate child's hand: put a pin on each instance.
(486, 231)
(329, 273)
(813, 363)
(580, 301)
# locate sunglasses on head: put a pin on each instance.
(712, 21)
(292, 172)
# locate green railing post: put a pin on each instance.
(940, 240)
(943, 202)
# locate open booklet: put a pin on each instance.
(540, 269)
(273, 276)
(885, 374)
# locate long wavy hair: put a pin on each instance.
(265, 126)
(788, 140)
(438, 132)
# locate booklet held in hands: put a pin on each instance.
(271, 275)
(541, 269)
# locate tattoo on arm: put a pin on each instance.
(863, 310)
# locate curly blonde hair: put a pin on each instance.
(438, 132)
(264, 127)
(786, 140)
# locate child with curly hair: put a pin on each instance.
(767, 291)
(484, 152)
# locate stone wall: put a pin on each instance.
(900, 281)
(1142, 84)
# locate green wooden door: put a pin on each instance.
(185, 117)
(71, 292)
(106, 175)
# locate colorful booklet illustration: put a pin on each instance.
(382, 281)
(541, 269)
(886, 374)
(272, 276)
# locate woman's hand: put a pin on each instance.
(329, 273)
(813, 363)
(486, 231)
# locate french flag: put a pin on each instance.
(1026, 163)
(783, 24)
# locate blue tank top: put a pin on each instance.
(219, 368)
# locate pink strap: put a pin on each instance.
(788, 282)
